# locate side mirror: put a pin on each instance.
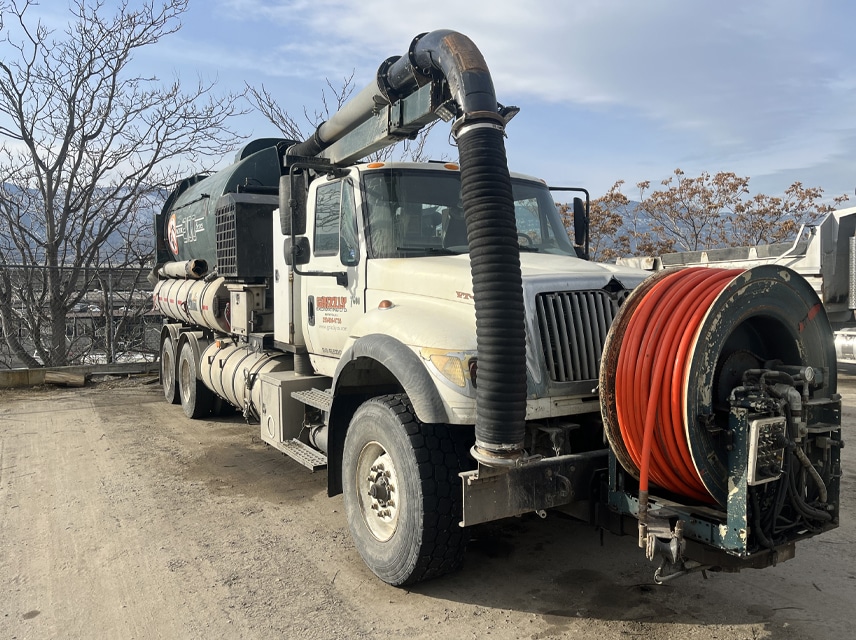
(292, 204)
(580, 222)
(297, 250)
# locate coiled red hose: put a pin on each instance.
(652, 367)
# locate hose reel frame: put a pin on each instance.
(758, 305)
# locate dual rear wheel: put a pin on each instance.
(182, 383)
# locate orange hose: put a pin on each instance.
(650, 373)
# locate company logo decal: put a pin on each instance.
(188, 230)
(172, 235)
(331, 303)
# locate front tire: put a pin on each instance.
(197, 400)
(402, 492)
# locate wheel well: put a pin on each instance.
(197, 341)
(382, 364)
(376, 365)
(170, 331)
(358, 380)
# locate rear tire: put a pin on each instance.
(402, 492)
(169, 371)
(197, 400)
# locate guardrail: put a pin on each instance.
(13, 378)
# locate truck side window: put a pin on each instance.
(328, 200)
(528, 219)
(349, 244)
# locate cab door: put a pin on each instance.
(334, 281)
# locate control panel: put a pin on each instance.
(767, 440)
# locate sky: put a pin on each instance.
(609, 90)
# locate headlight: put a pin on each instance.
(452, 365)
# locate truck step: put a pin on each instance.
(304, 454)
(317, 398)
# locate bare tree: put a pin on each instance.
(696, 213)
(333, 97)
(687, 214)
(764, 219)
(87, 149)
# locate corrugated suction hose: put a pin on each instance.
(497, 289)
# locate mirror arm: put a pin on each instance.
(341, 276)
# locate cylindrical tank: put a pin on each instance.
(232, 372)
(169, 296)
(193, 269)
(845, 345)
(200, 302)
(187, 229)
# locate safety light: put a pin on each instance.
(456, 366)
(451, 368)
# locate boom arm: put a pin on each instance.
(443, 76)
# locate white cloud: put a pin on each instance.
(762, 88)
(730, 70)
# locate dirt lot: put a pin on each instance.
(119, 518)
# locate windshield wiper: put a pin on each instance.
(437, 250)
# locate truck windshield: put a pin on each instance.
(411, 213)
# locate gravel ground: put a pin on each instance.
(119, 518)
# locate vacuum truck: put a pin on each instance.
(430, 335)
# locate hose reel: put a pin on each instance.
(676, 349)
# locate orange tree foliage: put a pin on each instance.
(696, 213)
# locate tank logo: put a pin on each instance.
(188, 230)
(331, 303)
(172, 235)
(465, 295)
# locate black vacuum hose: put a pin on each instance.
(497, 289)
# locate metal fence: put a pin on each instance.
(113, 320)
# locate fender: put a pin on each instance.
(408, 374)
(171, 331)
(403, 364)
(197, 342)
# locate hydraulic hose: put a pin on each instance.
(763, 540)
(813, 474)
(652, 365)
(497, 289)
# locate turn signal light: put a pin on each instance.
(451, 369)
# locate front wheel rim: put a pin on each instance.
(378, 491)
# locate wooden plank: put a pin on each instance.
(65, 378)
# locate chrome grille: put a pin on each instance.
(573, 327)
